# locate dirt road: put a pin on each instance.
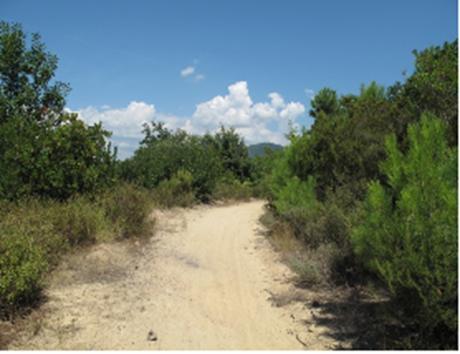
(202, 282)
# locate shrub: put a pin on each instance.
(22, 265)
(408, 234)
(296, 195)
(163, 153)
(34, 218)
(127, 207)
(231, 188)
(80, 221)
(177, 191)
(296, 203)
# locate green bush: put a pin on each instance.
(127, 207)
(36, 233)
(231, 188)
(44, 151)
(408, 234)
(296, 203)
(163, 153)
(29, 245)
(22, 265)
(177, 191)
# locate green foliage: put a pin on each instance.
(231, 188)
(28, 247)
(176, 191)
(25, 78)
(35, 218)
(232, 152)
(433, 87)
(22, 265)
(408, 234)
(296, 195)
(325, 101)
(345, 146)
(36, 233)
(163, 153)
(36, 159)
(43, 150)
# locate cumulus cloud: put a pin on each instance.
(189, 70)
(256, 122)
(126, 122)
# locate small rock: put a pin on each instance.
(152, 337)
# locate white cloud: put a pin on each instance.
(189, 70)
(292, 110)
(126, 122)
(310, 93)
(199, 77)
(276, 100)
(256, 122)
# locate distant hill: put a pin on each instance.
(259, 149)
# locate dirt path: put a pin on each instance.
(202, 282)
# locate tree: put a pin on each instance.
(57, 162)
(324, 101)
(431, 88)
(163, 153)
(25, 78)
(44, 150)
(232, 151)
(408, 233)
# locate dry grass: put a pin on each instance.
(312, 266)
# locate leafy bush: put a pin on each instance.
(28, 247)
(44, 151)
(231, 188)
(22, 265)
(408, 234)
(232, 152)
(57, 162)
(163, 153)
(127, 208)
(177, 191)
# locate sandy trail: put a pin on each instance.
(202, 282)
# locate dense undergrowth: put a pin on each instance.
(36, 233)
(370, 192)
(366, 196)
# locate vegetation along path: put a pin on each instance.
(204, 281)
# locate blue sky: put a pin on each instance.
(195, 64)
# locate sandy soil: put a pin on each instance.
(206, 280)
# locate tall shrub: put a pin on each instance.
(408, 235)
